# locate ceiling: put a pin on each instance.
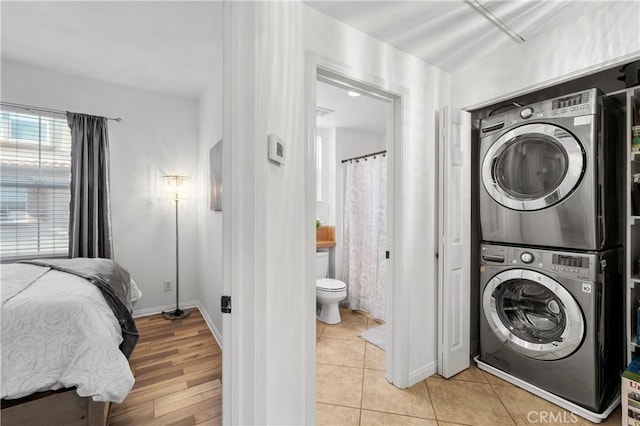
(450, 34)
(364, 113)
(162, 46)
(171, 46)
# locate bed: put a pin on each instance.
(67, 332)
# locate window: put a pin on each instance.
(318, 168)
(35, 177)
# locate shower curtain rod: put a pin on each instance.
(52, 111)
(365, 156)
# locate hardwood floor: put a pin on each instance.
(178, 371)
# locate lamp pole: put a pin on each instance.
(177, 181)
(178, 311)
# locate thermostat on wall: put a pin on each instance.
(276, 149)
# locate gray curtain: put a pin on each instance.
(90, 213)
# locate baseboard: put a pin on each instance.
(423, 372)
(191, 304)
(212, 326)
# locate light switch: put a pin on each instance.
(277, 149)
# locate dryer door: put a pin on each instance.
(533, 166)
(533, 314)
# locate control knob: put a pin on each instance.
(526, 113)
(526, 257)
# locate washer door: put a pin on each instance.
(533, 166)
(533, 314)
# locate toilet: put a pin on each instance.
(329, 292)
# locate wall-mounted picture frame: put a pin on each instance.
(215, 177)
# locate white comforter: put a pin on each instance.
(59, 332)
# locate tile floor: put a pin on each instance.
(352, 389)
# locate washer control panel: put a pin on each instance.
(570, 263)
(566, 264)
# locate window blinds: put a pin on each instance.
(35, 176)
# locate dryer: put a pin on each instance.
(551, 174)
(554, 320)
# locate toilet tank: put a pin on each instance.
(322, 264)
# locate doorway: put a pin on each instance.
(355, 138)
(351, 192)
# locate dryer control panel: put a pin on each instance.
(580, 100)
(571, 265)
(573, 105)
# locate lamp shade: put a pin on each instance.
(176, 187)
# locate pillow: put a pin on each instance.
(136, 294)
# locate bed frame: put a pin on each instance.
(61, 407)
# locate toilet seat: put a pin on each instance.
(330, 285)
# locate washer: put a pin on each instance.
(551, 174)
(553, 319)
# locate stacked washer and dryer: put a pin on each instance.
(551, 257)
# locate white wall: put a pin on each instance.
(282, 300)
(349, 144)
(210, 222)
(281, 85)
(607, 33)
(158, 134)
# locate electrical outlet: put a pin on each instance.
(167, 285)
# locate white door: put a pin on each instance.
(454, 248)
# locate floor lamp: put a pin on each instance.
(177, 189)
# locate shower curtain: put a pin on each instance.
(365, 234)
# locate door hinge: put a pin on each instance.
(387, 255)
(225, 304)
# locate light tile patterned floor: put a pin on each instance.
(352, 389)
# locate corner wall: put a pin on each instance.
(158, 134)
(210, 222)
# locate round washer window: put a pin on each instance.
(533, 314)
(531, 166)
(530, 311)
